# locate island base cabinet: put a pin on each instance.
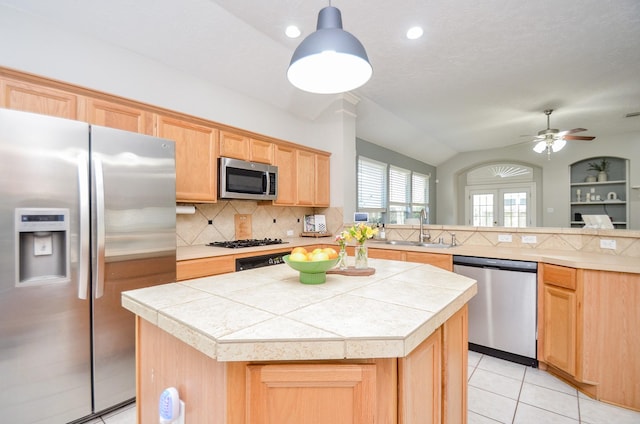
(428, 386)
(311, 393)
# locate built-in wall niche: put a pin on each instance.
(600, 191)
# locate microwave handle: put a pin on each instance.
(266, 183)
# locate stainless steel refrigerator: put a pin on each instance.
(86, 212)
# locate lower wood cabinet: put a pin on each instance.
(311, 393)
(560, 328)
(426, 387)
(204, 267)
(444, 261)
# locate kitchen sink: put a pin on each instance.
(417, 243)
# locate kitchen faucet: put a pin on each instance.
(422, 237)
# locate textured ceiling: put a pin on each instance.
(479, 78)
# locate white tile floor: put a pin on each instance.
(504, 392)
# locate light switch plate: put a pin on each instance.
(529, 239)
(505, 238)
(607, 244)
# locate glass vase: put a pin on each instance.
(361, 257)
(342, 256)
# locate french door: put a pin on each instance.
(508, 206)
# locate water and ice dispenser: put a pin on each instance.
(42, 246)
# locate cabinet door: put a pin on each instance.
(204, 267)
(195, 158)
(311, 393)
(35, 98)
(420, 382)
(323, 181)
(261, 151)
(285, 160)
(114, 115)
(440, 260)
(394, 255)
(306, 164)
(234, 145)
(560, 328)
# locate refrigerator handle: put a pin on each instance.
(100, 228)
(83, 259)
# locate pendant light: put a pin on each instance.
(330, 60)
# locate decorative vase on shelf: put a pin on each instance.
(342, 256)
(602, 176)
(361, 257)
(590, 179)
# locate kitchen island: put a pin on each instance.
(259, 347)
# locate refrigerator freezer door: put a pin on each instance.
(134, 245)
(45, 364)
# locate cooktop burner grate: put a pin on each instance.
(235, 244)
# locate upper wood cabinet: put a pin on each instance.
(196, 168)
(234, 145)
(31, 97)
(261, 151)
(285, 160)
(306, 177)
(238, 146)
(322, 192)
(115, 115)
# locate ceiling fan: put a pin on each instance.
(551, 139)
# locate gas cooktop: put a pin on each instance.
(235, 244)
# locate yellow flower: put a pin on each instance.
(362, 232)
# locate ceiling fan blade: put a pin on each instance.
(575, 130)
(578, 137)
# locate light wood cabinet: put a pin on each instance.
(261, 151)
(306, 177)
(234, 145)
(198, 142)
(115, 115)
(31, 97)
(444, 261)
(285, 160)
(322, 180)
(559, 317)
(426, 387)
(196, 167)
(419, 402)
(311, 393)
(560, 328)
(204, 267)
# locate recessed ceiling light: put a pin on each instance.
(414, 33)
(292, 31)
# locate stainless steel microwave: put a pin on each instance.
(239, 179)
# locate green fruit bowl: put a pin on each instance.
(312, 272)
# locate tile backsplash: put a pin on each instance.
(269, 221)
(215, 221)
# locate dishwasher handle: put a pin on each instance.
(493, 263)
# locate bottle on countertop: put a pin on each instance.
(381, 234)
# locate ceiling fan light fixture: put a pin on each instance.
(558, 144)
(540, 147)
(329, 60)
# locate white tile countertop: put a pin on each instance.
(267, 314)
(575, 259)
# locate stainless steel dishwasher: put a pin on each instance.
(503, 315)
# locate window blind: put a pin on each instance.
(372, 183)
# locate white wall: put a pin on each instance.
(554, 192)
(38, 47)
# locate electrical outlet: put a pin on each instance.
(505, 238)
(607, 244)
(289, 233)
(529, 239)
